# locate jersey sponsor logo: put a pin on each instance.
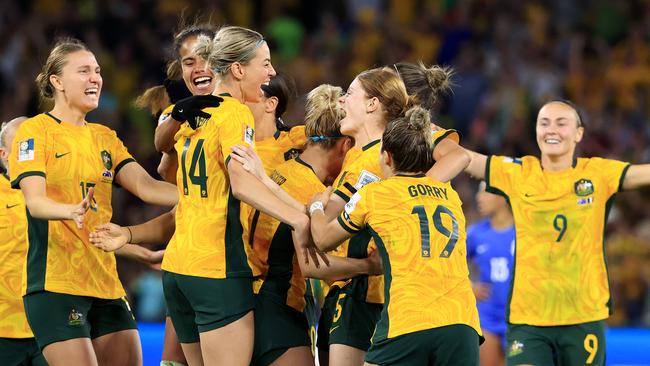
(26, 150)
(57, 155)
(106, 159)
(516, 348)
(512, 160)
(75, 318)
(365, 178)
(584, 187)
(249, 135)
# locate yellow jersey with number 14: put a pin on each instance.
(208, 237)
(560, 272)
(418, 226)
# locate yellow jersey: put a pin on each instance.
(272, 241)
(13, 255)
(560, 270)
(72, 159)
(419, 228)
(208, 238)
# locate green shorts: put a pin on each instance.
(56, 317)
(20, 352)
(347, 320)
(200, 304)
(278, 327)
(449, 345)
(567, 345)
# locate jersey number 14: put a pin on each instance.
(198, 161)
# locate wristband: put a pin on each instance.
(130, 235)
(318, 205)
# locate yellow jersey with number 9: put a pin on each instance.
(208, 237)
(418, 226)
(72, 159)
(560, 272)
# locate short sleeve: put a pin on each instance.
(613, 172)
(440, 135)
(354, 216)
(121, 154)
(297, 137)
(29, 152)
(501, 173)
(236, 130)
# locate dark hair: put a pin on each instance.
(426, 84)
(409, 141)
(55, 62)
(283, 88)
(579, 114)
(158, 97)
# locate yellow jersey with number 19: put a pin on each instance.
(560, 270)
(72, 159)
(418, 226)
(13, 255)
(208, 237)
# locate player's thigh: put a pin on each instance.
(529, 345)
(118, 348)
(582, 344)
(172, 351)
(231, 344)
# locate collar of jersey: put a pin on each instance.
(59, 121)
(370, 144)
(419, 175)
(300, 161)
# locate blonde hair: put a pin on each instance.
(323, 115)
(409, 141)
(426, 84)
(55, 62)
(231, 44)
(388, 88)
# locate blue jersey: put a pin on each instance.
(492, 252)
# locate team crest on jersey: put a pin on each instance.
(364, 178)
(75, 318)
(291, 154)
(584, 187)
(26, 150)
(107, 159)
(516, 348)
(249, 135)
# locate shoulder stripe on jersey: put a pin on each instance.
(350, 187)
(342, 195)
(446, 134)
(622, 180)
(122, 164)
(348, 226)
(16, 182)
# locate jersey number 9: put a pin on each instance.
(437, 223)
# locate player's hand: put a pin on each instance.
(301, 235)
(176, 89)
(249, 159)
(78, 212)
(109, 237)
(323, 197)
(190, 108)
(481, 290)
(375, 266)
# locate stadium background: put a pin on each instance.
(509, 56)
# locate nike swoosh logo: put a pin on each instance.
(333, 329)
(12, 206)
(57, 155)
(528, 194)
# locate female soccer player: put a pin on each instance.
(433, 322)
(560, 294)
(373, 98)
(207, 278)
(17, 343)
(490, 245)
(60, 159)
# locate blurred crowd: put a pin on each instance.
(509, 57)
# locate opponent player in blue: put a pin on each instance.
(490, 245)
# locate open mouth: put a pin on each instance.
(202, 81)
(551, 141)
(92, 91)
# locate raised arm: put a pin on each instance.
(477, 165)
(136, 180)
(451, 160)
(637, 176)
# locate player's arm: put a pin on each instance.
(637, 176)
(110, 237)
(327, 232)
(477, 165)
(164, 136)
(168, 166)
(42, 207)
(136, 180)
(337, 268)
(141, 254)
(451, 160)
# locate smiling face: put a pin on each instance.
(353, 103)
(80, 81)
(256, 72)
(198, 77)
(558, 131)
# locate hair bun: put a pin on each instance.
(417, 118)
(438, 78)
